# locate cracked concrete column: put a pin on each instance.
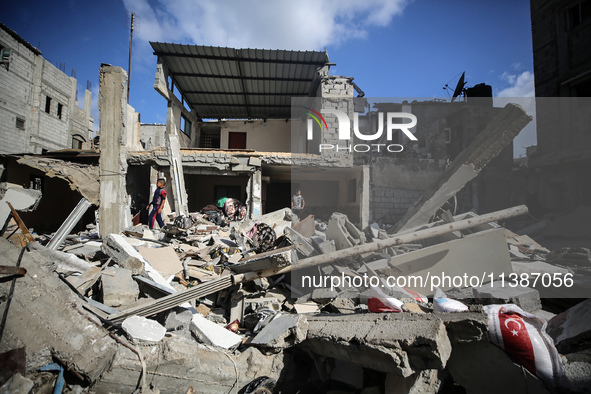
(254, 192)
(364, 197)
(177, 178)
(113, 209)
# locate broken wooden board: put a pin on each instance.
(164, 260)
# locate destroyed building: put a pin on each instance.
(561, 35)
(206, 307)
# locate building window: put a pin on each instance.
(77, 142)
(36, 182)
(210, 139)
(4, 56)
(59, 110)
(20, 123)
(48, 104)
(579, 13)
(185, 125)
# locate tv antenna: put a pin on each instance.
(459, 90)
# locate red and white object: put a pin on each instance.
(417, 296)
(380, 302)
(523, 336)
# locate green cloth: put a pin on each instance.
(221, 202)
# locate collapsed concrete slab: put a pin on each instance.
(571, 329)
(83, 178)
(212, 334)
(55, 320)
(494, 293)
(283, 331)
(484, 252)
(20, 198)
(466, 166)
(392, 343)
(179, 363)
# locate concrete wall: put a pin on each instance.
(274, 135)
(395, 185)
(25, 85)
(152, 135)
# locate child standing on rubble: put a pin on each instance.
(297, 203)
(157, 204)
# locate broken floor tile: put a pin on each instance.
(212, 334)
(143, 330)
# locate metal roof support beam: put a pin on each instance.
(242, 59)
(194, 75)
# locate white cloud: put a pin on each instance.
(271, 24)
(521, 85)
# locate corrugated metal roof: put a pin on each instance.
(232, 83)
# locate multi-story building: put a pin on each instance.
(561, 35)
(38, 102)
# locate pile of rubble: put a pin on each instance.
(199, 307)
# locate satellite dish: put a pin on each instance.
(459, 87)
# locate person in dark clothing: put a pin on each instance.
(157, 204)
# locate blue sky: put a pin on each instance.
(393, 48)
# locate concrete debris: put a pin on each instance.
(118, 288)
(164, 259)
(212, 334)
(495, 293)
(17, 384)
(21, 199)
(143, 330)
(57, 321)
(477, 367)
(201, 303)
(422, 382)
(83, 178)
(283, 331)
(343, 232)
(571, 329)
(398, 344)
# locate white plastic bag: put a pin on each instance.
(443, 304)
(523, 336)
(380, 302)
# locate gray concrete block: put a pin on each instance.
(343, 232)
(493, 293)
(302, 244)
(118, 287)
(478, 366)
(401, 344)
(212, 334)
(283, 331)
(572, 328)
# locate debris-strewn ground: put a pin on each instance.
(212, 305)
